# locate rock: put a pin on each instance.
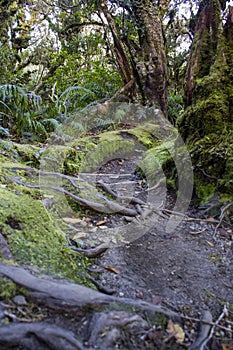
(20, 300)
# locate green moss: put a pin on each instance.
(33, 239)
(144, 135)
(154, 161)
(206, 124)
(9, 289)
(203, 189)
(110, 146)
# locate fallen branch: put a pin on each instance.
(223, 212)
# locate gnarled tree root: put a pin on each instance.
(63, 294)
(38, 336)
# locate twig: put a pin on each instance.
(223, 211)
(208, 322)
(189, 218)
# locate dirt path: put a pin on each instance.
(183, 270)
(191, 268)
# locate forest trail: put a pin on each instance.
(190, 268)
(187, 272)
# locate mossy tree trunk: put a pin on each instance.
(151, 62)
(207, 121)
(145, 65)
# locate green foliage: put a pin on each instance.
(175, 107)
(20, 110)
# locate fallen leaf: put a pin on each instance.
(72, 220)
(152, 335)
(227, 347)
(139, 294)
(102, 222)
(86, 219)
(224, 233)
(211, 220)
(157, 299)
(176, 330)
(112, 269)
(210, 243)
(79, 235)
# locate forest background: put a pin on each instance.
(85, 86)
(60, 57)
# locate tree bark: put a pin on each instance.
(147, 65)
(204, 49)
(152, 62)
(207, 120)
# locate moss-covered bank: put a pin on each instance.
(25, 224)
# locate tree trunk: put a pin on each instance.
(205, 45)
(207, 120)
(147, 65)
(121, 56)
(151, 63)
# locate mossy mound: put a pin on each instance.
(25, 224)
(33, 238)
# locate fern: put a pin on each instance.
(23, 109)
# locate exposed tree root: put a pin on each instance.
(38, 336)
(62, 294)
(109, 206)
(4, 249)
(116, 321)
(203, 331)
(92, 252)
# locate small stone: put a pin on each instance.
(20, 300)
